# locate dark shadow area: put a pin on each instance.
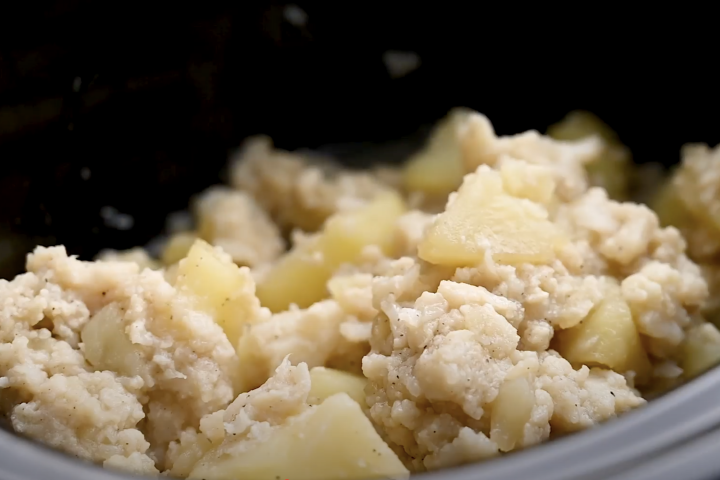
(136, 105)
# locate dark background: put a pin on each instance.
(167, 90)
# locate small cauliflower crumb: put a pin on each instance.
(232, 220)
(689, 201)
(296, 191)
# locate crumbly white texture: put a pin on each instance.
(298, 192)
(233, 221)
(187, 365)
(435, 343)
(440, 352)
(565, 159)
(137, 255)
(696, 184)
(48, 391)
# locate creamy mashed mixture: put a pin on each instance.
(490, 294)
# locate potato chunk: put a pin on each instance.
(670, 210)
(438, 168)
(177, 247)
(334, 440)
(219, 288)
(326, 382)
(106, 345)
(607, 337)
(482, 217)
(301, 275)
(511, 410)
(701, 350)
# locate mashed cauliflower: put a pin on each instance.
(528, 305)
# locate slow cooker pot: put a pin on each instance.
(136, 107)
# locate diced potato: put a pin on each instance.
(607, 337)
(511, 410)
(106, 345)
(670, 210)
(612, 168)
(177, 247)
(219, 287)
(334, 440)
(703, 241)
(300, 277)
(326, 382)
(438, 168)
(483, 217)
(580, 124)
(188, 455)
(612, 171)
(171, 273)
(701, 349)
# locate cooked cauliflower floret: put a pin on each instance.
(481, 299)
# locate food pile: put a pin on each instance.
(317, 322)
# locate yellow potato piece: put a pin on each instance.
(301, 275)
(580, 124)
(607, 337)
(438, 168)
(106, 345)
(219, 288)
(483, 217)
(188, 455)
(511, 410)
(701, 350)
(669, 208)
(335, 440)
(612, 168)
(177, 247)
(326, 382)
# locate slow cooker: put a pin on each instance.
(138, 105)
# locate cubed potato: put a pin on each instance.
(670, 210)
(106, 345)
(171, 273)
(612, 168)
(188, 455)
(334, 440)
(511, 410)
(580, 124)
(301, 275)
(438, 168)
(482, 217)
(326, 382)
(177, 247)
(218, 287)
(701, 350)
(607, 337)
(612, 171)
